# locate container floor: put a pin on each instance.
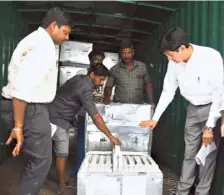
(10, 171)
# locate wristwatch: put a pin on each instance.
(209, 128)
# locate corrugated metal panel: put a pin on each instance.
(12, 29)
(203, 21)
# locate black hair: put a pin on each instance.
(96, 53)
(173, 39)
(60, 16)
(99, 70)
(126, 44)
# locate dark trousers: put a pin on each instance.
(36, 149)
(37, 145)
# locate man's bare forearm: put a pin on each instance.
(149, 91)
(107, 92)
(222, 117)
(19, 109)
(98, 121)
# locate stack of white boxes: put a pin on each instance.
(110, 59)
(67, 71)
(75, 52)
(57, 49)
(128, 170)
(74, 58)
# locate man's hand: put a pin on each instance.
(115, 141)
(97, 99)
(207, 137)
(18, 135)
(107, 100)
(150, 123)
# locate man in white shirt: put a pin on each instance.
(198, 72)
(32, 80)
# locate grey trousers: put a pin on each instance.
(36, 149)
(195, 122)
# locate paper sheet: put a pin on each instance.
(204, 152)
(53, 129)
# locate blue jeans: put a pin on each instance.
(80, 145)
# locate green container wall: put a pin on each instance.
(12, 30)
(204, 23)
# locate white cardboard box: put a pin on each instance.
(75, 52)
(67, 72)
(110, 59)
(122, 120)
(137, 174)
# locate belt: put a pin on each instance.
(202, 105)
(3, 98)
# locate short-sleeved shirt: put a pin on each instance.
(97, 92)
(32, 71)
(70, 97)
(129, 85)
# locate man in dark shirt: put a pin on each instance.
(95, 57)
(70, 97)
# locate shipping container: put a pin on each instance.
(13, 28)
(104, 25)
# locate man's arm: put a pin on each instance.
(109, 86)
(169, 88)
(107, 92)
(19, 108)
(222, 117)
(148, 85)
(217, 79)
(149, 91)
(222, 124)
(86, 97)
(99, 122)
(216, 76)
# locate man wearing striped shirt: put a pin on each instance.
(130, 79)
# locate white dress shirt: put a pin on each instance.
(32, 72)
(200, 81)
